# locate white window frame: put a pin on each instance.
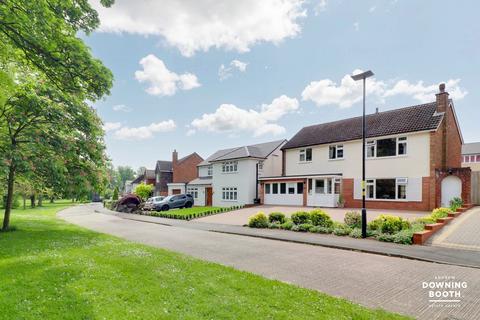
(229, 166)
(193, 191)
(398, 182)
(230, 194)
(373, 144)
(303, 154)
(337, 148)
(210, 170)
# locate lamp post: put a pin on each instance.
(363, 76)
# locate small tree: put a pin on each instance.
(143, 190)
(115, 194)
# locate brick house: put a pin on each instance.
(183, 171)
(413, 161)
(163, 176)
(146, 177)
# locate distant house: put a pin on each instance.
(146, 177)
(163, 175)
(183, 171)
(413, 161)
(471, 156)
(229, 177)
(128, 186)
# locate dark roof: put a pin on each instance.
(261, 150)
(138, 179)
(471, 148)
(150, 174)
(163, 165)
(409, 119)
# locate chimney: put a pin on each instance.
(376, 110)
(442, 99)
(174, 157)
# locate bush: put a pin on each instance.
(287, 225)
(425, 220)
(356, 233)
(143, 191)
(301, 217)
(385, 237)
(320, 218)
(440, 213)
(276, 217)
(456, 203)
(318, 229)
(115, 194)
(353, 219)
(389, 224)
(304, 227)
(404, 236)
(274, 225)
(341, 229)
(258, 221)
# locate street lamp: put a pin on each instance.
(363, 76)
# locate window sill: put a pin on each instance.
(389, 157)
(304, 162)
(231, 172)
(391, 200)
(229, 200)
(338, 159)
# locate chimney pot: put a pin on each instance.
(441, 87)
(376, 110)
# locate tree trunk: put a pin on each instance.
(24, 201)
(8, 204)
(40, 200)
(52, 200)
(32, 201)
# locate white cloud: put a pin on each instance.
(320, 7)
(161, 81)
(356, 26)
(348, 92)
(231, 119)
(199, 25)
(226, 72)
(121, 108)
(372, 9)
(144, 132)
(110, 126)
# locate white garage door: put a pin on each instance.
(451, 188)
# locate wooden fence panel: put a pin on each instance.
(476, 187)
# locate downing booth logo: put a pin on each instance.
(444, 291)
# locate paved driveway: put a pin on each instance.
(375, 281)
(240, 217)
(462, 233)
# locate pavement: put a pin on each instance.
(240, 217)
(373, 280)
(462, 233)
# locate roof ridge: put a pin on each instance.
(372, 114)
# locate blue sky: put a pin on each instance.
(283, 65)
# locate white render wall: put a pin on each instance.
(200, 201)
(244, 180)
(415, 164)
(180, 186)
(272, 166)
(203, 171)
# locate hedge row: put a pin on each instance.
(174, 215)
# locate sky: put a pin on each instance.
(203, 75)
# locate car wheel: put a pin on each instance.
(165, 208)
(188, 205)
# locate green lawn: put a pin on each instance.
(53, 270)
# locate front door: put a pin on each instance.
(208, 196)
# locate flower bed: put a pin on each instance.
(387, 228)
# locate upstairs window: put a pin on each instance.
(230, 166)
(305, 155)
(335, 152)
(389, 147)
(210, 170)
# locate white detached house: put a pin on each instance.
(230, 177)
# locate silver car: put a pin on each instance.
(150, 203)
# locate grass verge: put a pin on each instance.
(54, 270)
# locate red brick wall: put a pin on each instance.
(454, 142)
(350, 202)
(186, 170)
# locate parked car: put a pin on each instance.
(150, 203)
(175, 201)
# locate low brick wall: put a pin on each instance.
(430, 229)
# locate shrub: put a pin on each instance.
(115, 194)
(287, 225)
(301, 217)
(353, 219)
(385, 237)
(274, 225)
(258, 221)
(304, 227)
(404, 236)
(425, 220)
(276, 217)
(440, 213)
(356, 233)
(318, 229)
(341, 230)
(320, 218)
(389, 224)
(143, 191)
(456, 203)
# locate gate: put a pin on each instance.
(476, 187)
